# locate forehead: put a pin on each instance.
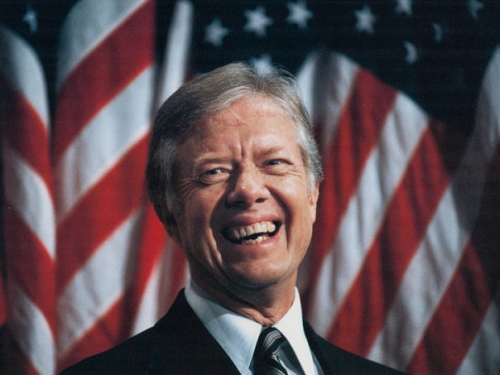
(251, 124)
(252, 113)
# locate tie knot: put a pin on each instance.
(269, 341)
(266, 359)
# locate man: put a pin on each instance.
(233, 173)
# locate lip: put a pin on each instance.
(245, 222)
(252, 234)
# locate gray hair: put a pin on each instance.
(203, 97)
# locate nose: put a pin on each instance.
(247, 188)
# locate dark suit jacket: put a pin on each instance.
(180, 344)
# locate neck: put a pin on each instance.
(265, 305)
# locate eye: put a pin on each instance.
(213, 176)
(277, 166)
(278, 163)
(274, 162)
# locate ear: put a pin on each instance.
(313, 201)
(169, 223)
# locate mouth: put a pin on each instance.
(251, 234)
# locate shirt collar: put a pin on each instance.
(292, 327)
(238, 335)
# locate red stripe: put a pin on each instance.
(364, 311)
(101, 211)
(152, 243)
(105, 333)
(24, 131)
(103, 74)
(465, 303)
(114, 326)
(358, 132)
(29, 263)
(456, 322)
(178, 274)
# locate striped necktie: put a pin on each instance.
(266, 360)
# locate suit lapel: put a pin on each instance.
(325, 353)
(336, 361)
(184, 345)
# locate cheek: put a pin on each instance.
(198, 242)
(303, 216)
(198, 219)
(295, 196)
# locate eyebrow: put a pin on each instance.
(273, 150)
(207, 159)
(203, 160)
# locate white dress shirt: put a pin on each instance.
(238, 335)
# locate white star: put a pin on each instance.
(215, 32)
(299, 14)
(263, 63)
(474, 7)
(438, 32)
(365, 20)
(404, 6)
(257, 21)
(411, 52)
(31, 19)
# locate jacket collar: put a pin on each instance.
(184, 345)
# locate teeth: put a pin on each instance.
(263, 228)
(259, 228)
(256, 241)
(271, 227)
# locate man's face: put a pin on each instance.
(246, 213)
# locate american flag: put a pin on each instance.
(404, 267)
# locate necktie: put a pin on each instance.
(266, 353)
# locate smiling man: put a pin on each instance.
(233, 173)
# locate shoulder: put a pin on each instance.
(142, 353)
(133, 356)
(339, 361)
(177, 344)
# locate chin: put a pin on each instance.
(256, 281)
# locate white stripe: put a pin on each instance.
(488, 111)
(32, 331)
(484, 354)
(339, 74)
(147, 313)
(168, 269)
(384, 169)
(154, 303)
(433, 265)
(26, 192)
(177, 50)
(20, 66)
(97, 286)
(325, 81)
(103, 142)
(87, 25)
(173, 74)
(306, 81)
(324, 307)
(422, 287)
